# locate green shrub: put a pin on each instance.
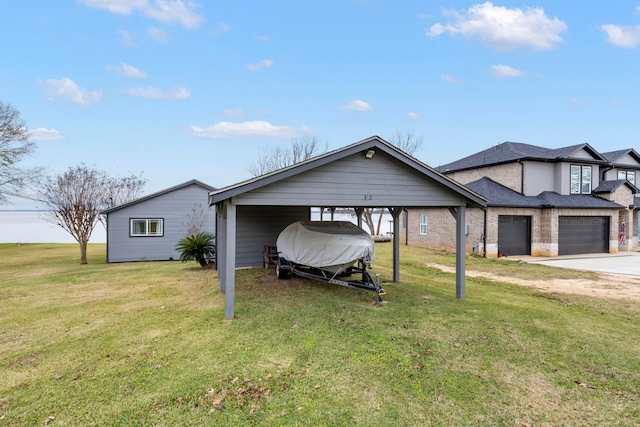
(200, 247)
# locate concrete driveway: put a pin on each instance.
(622, 263)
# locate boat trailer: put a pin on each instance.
(341, 277)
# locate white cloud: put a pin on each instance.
(627, 36)
(44, 134)
(233, 112)
(255, 128)
(450, 79)
(66, 88)
(158, 34)
(129, 71)
(504, 29)
(166, 11)
(126, 39)
(413, 115)
(357, 105)
(505, 71)
(155, 93)
(265, 63)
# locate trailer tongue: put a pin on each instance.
(329, 251)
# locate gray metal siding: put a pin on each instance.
(174, 208)
(355, 181)
(258, 226)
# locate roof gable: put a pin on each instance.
(509, 152)
(357, 150)
(626, 157)
(160, 193)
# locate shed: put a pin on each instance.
(370, 173)
(148, 228)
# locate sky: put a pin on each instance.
(176, 90)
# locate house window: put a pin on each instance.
(146, 227)
(580, 179)
(423, 224)
(628, 175)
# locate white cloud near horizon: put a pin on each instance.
(413, 115)
(502, 28)
(155, 93)
(505, 71)
(262, 65)
(256, 128)
(623, 36)
(65, 88)
(357, 105)
(44, 134)
(165, 11)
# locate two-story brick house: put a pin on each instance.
(541, 202)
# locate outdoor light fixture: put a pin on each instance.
(369, 154)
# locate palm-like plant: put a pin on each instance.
(201, 247)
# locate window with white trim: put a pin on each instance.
(628, 175)
(146, 227)
(423, 224)
(580, 179)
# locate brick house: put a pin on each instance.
(541, 202)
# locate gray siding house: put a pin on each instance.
(148, 229)
(540, 202)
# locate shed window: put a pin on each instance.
(423, 224)
(580, 179)
(628, 175)
(146, 227)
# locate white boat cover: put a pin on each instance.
(325, 244)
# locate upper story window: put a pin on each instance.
(423, 224)
(146, 227)
(580, 179)
(628, 175)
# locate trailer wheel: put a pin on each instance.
(281, 273)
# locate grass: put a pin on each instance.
(142, 344)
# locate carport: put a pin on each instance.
(367, 174)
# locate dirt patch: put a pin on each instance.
(606, 286)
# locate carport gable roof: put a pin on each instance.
(372, 143)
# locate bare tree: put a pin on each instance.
(302, 148)
(75, 199)
(196, 220)
(14, 147)
(408, 142)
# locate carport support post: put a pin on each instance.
(395, 212)
(229, 274)
(461, 253)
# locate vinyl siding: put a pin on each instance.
(258, 226)
(174, 208)
(349, 182)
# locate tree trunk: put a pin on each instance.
(83, 252)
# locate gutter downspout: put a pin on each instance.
(484, 234)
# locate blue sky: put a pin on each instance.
(178, 89)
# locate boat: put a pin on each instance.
(328, 251)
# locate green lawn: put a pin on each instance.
(146, 344)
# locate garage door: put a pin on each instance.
(514, 235)
(583, 235)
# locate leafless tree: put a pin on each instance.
(302, 148)
(408, 142)
(15, 146)
(196, 219)
(75, 199)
